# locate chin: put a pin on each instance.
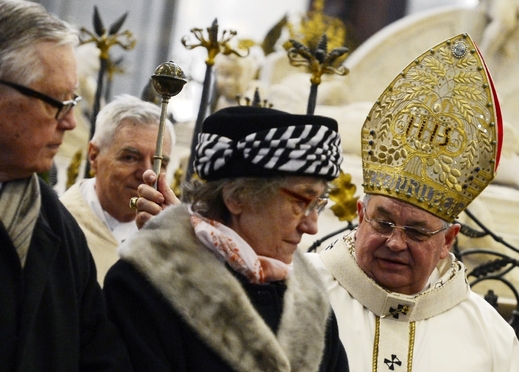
(287, 258)
(43, 167)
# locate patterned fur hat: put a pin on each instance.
(248, 141)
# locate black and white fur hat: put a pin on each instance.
(249, 141)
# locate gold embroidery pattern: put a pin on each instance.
(376, 343)
(431, 137)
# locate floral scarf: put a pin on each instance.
(240, 256)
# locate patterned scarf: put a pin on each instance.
(240, 256)
(20, 203)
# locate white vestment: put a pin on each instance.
(447, 327)
(103, 232)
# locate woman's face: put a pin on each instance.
(275, 227)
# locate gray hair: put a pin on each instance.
(23, 26)
(123, 107)
(207, 198)
(367, 198)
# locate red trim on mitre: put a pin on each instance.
(497, 109)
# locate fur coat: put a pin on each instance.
(180, 308)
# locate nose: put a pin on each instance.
(68, 122)
(396, 241)
(148, 163)
(308, 224)
(144, 165)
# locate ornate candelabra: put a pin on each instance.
(104, 40)
(319, 62)
(214, 47)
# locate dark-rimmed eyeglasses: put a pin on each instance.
(63, 107)
(306, 205)
(386, 229)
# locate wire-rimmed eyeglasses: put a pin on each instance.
(63, 107)
(386, 229)
(306, 205)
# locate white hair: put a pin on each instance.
(111, 117)
(23, 26)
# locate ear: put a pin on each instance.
(360, 210)
(450, 236)
(93, 152)
(233, 204)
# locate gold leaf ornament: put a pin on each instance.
(342, 193)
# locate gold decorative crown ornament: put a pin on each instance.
(433, 138)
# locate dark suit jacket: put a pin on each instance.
(52, 313)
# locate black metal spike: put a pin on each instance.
(117, 25)
(99, 27)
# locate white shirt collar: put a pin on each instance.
(120, 230)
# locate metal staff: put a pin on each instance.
(168, 81)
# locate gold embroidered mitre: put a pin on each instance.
(433, 138)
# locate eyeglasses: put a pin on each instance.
(386, 229)
(63, 107)
(306, 205)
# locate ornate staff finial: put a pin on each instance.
(319, 62)
(314, 24)
(212, 44)
(168, 81)
(256, 101)
(214, 47)
(104, 40)
(308, 46)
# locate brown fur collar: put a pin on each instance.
(212, 301)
